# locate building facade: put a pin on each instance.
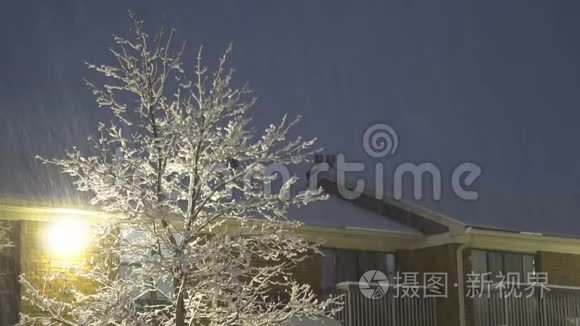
(363, 235)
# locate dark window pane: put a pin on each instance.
(346, 266)
(479, 261)
(328, 269)
(379, 261)
(495, 264)
(529, 266)
(513, 263)
(391, 264)
(367, 261)
(349, 265)
(372, 261)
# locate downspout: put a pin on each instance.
(460, 284)
(460, 279)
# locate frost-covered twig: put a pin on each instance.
(182, 175)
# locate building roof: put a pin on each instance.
(25, 178)
(338, 213)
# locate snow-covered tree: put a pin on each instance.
(191, 237)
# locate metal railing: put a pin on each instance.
(388, 310)
(553, 306)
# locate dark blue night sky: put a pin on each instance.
(493, 82)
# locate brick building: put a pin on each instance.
(359, 235)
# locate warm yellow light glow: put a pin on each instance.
(67, 238)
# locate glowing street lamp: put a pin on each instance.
(66, 238)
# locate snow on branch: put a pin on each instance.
(195, 238)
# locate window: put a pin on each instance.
(130, 260)
(349, 265)
(496, 262)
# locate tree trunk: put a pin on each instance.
(180, 311)
(180, 303)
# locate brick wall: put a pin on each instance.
(440, 259)
(309, 272)
(9, 271)
(562, 269)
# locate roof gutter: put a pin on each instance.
(9, 211)
(500, 240)
(460, 284)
